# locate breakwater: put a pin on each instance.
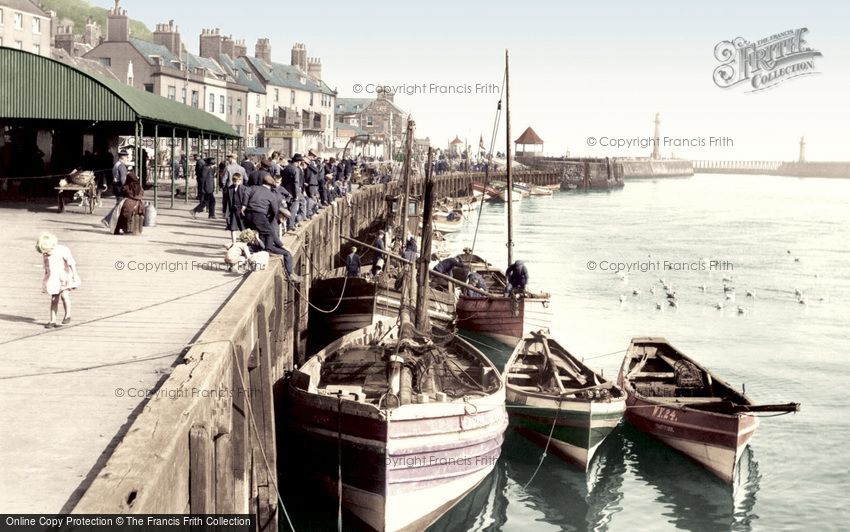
(636, 168)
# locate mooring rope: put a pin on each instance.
(548, 440)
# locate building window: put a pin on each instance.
(195, 99)
(105, 61)
(36, 49)
(172, 92)
(311, 99)
(149, 87)
(221, 104)
(291, 97)
(369, 121)
(212, 102)
(230, 105)
(1, 20)
(238, 106)
(258, 100)
(36, 25)
(183, 95)
(19, 21)
(276, 95)
(19, 45)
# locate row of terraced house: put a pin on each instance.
(275, 106)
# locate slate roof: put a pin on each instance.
(26, 6)
(347, 106)
(290, 76)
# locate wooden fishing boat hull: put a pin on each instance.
(715, 440)
(399, 469)
(445, 226)
(363, 303)
(479, 190)
(503, 196)
(505, 319)
(579, 429)
(570, 418)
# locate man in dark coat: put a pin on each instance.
(447, 265)
(409, 252)
(311, 182)
(255, 178)
(352, 264)
(247, 164)
(517, 277)
(262, 207)
(293, 181)
(119, 175)
(206, 187)
(199, 173)
(475, 279)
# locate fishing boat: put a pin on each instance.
(480, 189)
(678, 401)
(340, 305)
(504, 315)
(515, 195)
(567, 407)
(401, 427)
(448, 222)
(534, 190)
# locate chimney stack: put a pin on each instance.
(227, 46)
(210, 43)
(117, 24)
(299, 56)
(314, 68)
(168, 35)
(240, 49)
(263, 50)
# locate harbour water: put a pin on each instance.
(795, 473)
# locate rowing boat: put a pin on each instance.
(560, 403)
(680, 402)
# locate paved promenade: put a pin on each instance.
(67, 395)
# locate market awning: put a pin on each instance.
(33, 87)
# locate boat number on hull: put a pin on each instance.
(667, 414)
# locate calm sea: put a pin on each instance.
(771, 236)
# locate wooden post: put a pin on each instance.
(201, 493)
(155, 163)
(173, 177)
(261, 405)
(225, 481)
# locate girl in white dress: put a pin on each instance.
(60, 276)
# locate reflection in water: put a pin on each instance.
(559, 495)
(695, 499)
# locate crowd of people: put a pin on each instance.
(270, 197)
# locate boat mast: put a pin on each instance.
(406, 197)
(510, 186)
(422, 322)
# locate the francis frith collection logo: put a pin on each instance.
(765, 63)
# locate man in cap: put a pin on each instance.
(119, 175)
(255, 178)
(199, 173)
(311, 182)
(293, 181)
(206, 188)
(262, 212)
(352, 263)
(517, 277)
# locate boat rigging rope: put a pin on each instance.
(548, 440)
(339, 463)
(490, 156)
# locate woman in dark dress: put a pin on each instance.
(133, 210)
(236, 195)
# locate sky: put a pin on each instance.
(577, 70)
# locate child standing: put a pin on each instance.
(60, 276)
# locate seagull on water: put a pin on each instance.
(658, 306)
(702, 287)
(673, 303)
(622, 298)
(750, 294)
(742, 310)
(636, 292)
(718, 306)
